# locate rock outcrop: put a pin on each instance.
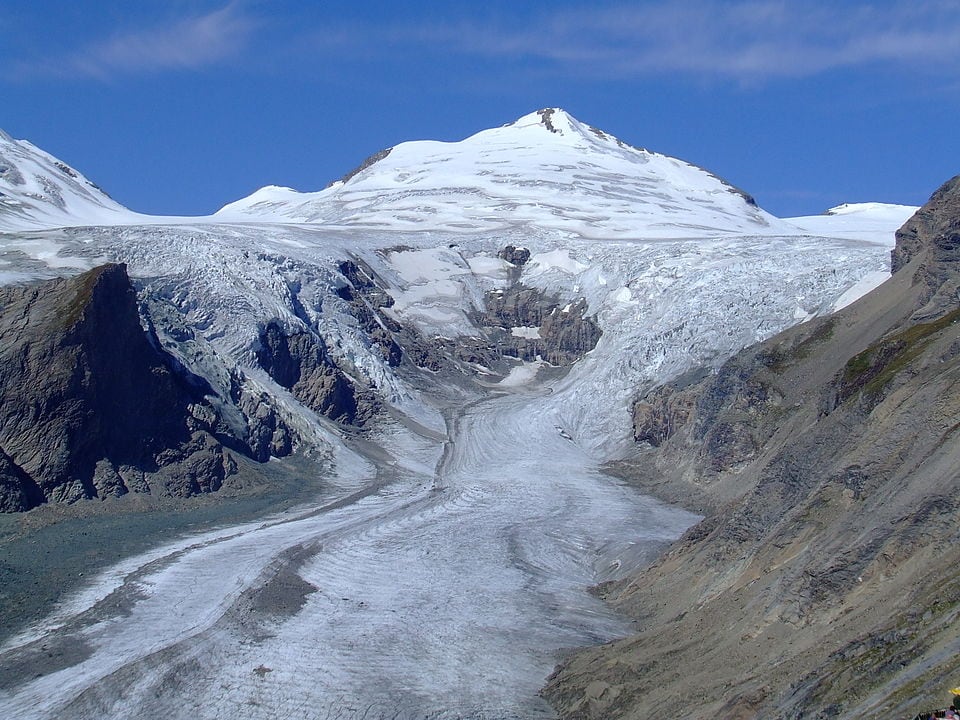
(297, 360)
(824, 580)
(933, 230)
(89, 406)
(518, 322)
(526, 323)
(517, 256)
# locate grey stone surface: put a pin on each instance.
(89, 407)
(297, 359)
(824, 580)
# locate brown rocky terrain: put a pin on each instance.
(91, 407)
(823, 581)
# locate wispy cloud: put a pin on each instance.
(185, 44)
(745, 40)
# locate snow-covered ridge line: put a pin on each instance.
(871, 221)
(545, 169)
(37, 190)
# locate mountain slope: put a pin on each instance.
(546, 169)
(89, 407)
(37, 190)
(824, 581)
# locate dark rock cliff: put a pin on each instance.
(564, 333)
(298, 360)
(824, 580)
(89, 407)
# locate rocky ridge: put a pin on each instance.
(91, 407)
(823, 581)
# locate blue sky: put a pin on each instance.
(180, 107)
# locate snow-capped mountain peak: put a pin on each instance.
(38, 190)
(546, 169)
(556, 121)
(566, 129)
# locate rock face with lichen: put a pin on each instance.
(823, 581)
(90, 407)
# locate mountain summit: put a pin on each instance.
(545, 169)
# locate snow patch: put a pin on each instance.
(522, 374)
(558, 259)
(532, 333)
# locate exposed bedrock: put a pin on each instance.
(526, 323)
(824, 580)
(367, 297)
(517, 256)
(89, 406)
(517, 322)
(933, 236)
(298, 360)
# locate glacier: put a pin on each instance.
(447, 562)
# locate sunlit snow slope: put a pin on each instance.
(862, 221)
(546, 169)
(37, 190)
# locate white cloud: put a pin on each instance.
(740, 40)
(187, 44)
(737, 39)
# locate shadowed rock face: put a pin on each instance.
(367, 299)
(88, 406)
(298, 361)
(825, 580)
(517, 256)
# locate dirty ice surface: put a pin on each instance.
(445, 589)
